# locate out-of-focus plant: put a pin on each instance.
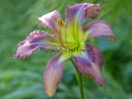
(110, 9)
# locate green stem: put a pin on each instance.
(79, 79)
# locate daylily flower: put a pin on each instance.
(69, 35)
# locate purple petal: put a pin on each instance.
(53, 74)
(50, 20)
(99, 29)
(83, 10)
(89, 63)
(37, 39)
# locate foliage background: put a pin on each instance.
(22, 79)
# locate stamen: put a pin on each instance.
(111, 39)
(60, 38)
(66, 23)
(66, 35)
(60, 22)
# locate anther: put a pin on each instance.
(60, 22)
(111, 39)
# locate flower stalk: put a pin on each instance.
(79, 80)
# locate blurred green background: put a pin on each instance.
(22, 79)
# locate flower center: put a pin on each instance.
(69, 36)
(72, 36)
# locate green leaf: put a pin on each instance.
(126, 4)
(115, 11)
(107, 7)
